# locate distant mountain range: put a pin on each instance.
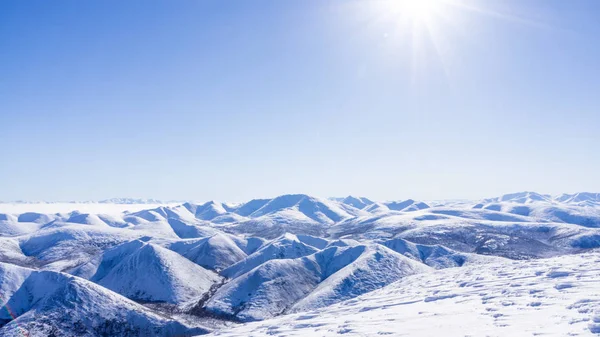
(357, 202)
(123, 201)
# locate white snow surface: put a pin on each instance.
(547, 297)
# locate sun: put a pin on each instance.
(419, 29)
(418, 10)
(423, 37)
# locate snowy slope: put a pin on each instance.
(551, 297)
(473, 231)
(147, 272)
(437, 256)
(376, 208)
(287, 246)
(323, 278)
(266, 291)
(216, 252)
(321, 211)
(551, 212)
(522, 198)
(294, 213)
(100, 265)
(582, 198)
(406, 205)
(11, 252)
(11, 226)
(351, 271)
(45, 303)
(69, 245)
(206, 211)
(356, 202)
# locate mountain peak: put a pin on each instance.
(357, 202)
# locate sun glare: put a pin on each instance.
(420, 10)
(423, 33)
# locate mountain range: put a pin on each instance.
(180, 269)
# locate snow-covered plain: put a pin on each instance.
(81, 207)
(518, 264)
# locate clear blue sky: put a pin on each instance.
(232, 100)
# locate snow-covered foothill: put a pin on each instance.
(545, 297)
(46, 303)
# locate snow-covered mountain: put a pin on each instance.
(325, 277)
(216, 252)
(150, 273)
(187, 268)
(579, 198)
(356, 202)
(131, 201)
(286, 247)
(46, 303)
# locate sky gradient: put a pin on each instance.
(233, 100)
